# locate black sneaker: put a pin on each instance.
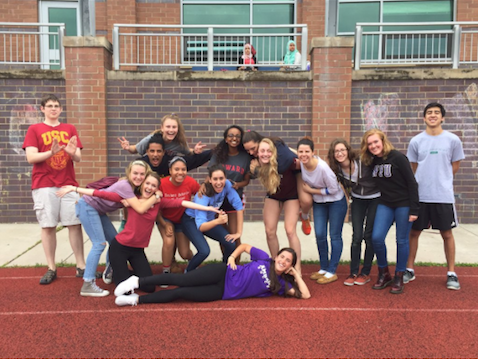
(48, 277)
(452, 282)
(80, 272)
(408, 276)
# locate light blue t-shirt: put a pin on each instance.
(434, 156)
(214, 201)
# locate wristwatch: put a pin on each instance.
(157, 196)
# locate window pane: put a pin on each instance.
(272, 48)
(217, 15)
(418, 11)
(351, 13)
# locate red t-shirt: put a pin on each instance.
(58, 170)
(137, 230)
(185, 191)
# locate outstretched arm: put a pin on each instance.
(125, 145)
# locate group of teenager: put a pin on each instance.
(381, 185)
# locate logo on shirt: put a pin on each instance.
(384, 170)
(265, 277)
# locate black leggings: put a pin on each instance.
(204, 284)
(120, 255)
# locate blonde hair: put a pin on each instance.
(365, 156)
(268, 174)
(181, 136)
(130, 168)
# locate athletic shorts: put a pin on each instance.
(439, 216)
(227, 206)
(178, 228)
(52, 210)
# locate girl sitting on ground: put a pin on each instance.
(262, 277)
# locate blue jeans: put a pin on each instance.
(196, 237)
(332, 215)
(384, 219)
(363, 210)
(100, 230)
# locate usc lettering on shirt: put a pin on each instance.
(61, 136)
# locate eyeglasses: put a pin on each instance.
(341, 150)
(52, 106)
(231, 135)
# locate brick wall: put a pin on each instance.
(20, 107)
(206, 108)
(397, 108)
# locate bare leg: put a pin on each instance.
(449, 244)
(271, 214)
(76, 241)
(291, 212)
(232, 226)
(305, 199)
(48, 239)
(413, 243)
(167, 252)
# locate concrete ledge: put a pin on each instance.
(33, 74)
(87, 41)
(414, 74)
(211, 75)
(343, 41)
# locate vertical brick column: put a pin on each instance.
(87, 61)
(331, 65)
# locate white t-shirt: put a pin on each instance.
(434, 156)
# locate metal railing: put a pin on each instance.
(430, 43)
(32, 44)
(166, 46)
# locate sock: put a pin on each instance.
(328, 275)
(452, 273)
(166, 269)
(411, 270)
(304, 215)
(322, 271)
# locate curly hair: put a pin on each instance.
(222, 149)
(268, 173)
(365, 156)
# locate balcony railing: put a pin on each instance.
(208, 46)
(26, 44)
(407, 44)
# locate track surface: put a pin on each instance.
(427, 320)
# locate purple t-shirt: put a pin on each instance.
(103, 206)
(251, 279)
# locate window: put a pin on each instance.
(66, 12)
(236, 12)
(397, 46)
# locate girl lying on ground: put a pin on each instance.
(262, 277)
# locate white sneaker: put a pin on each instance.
(128, 285)
(123, 300)
(90, 289)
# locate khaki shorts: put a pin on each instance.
(52, 210)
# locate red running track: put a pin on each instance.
(427, 320)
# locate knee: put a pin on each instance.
(203, 252)
(270, 233)
(148, 288)
(98, 246)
